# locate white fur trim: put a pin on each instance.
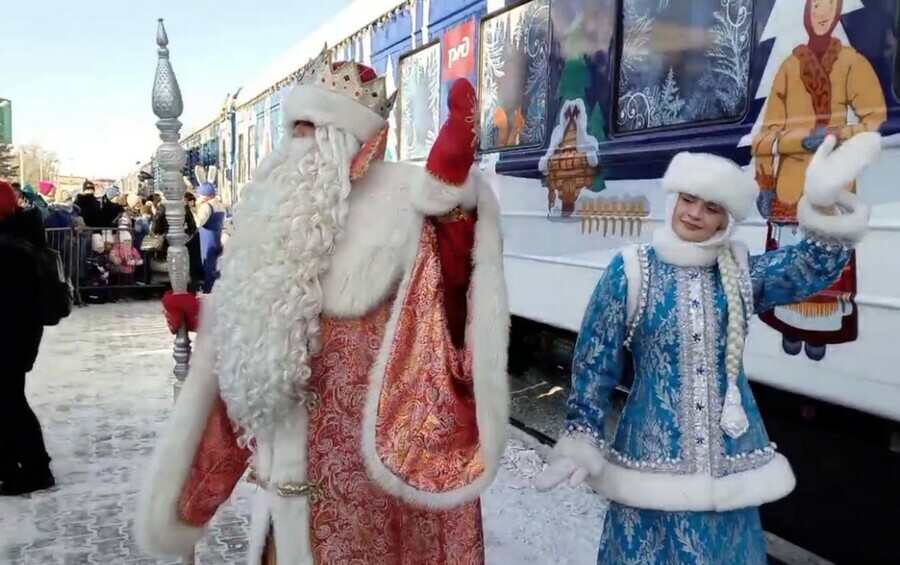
(741, 255)
(158, 528)
(580, 450)
(673, 250)
(487, 334)
(432, 197)
(290, 515)
(260, 520)
(277, 462)
(831, 170)
(369, 261)
(324, 107)
(850, 226)
(712, 178)
(696, 493)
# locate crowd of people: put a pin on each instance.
(115, 243)
(109, 244)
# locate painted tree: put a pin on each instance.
(574, 82)
(9, 162)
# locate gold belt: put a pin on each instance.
(287, 490)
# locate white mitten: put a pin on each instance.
(562, 469)
(573, 458)
(831, 170)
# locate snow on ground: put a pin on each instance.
(101, 389)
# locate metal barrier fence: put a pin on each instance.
(105, 263)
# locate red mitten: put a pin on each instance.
(453, 152)
(181, 309)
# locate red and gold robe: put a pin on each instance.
(409, 425)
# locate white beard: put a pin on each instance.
(268, 301)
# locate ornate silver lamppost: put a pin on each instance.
(170, 156)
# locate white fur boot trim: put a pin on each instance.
(695, 493)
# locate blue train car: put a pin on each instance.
(583, 103)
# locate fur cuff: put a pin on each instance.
(850, 225)
(434, 197)
(580, 449)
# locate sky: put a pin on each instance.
(80, 73)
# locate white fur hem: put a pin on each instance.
(433, 197)
(487, 334)
(581, 450)
(696, 493)
(157, 526)
(850, 226)
(327, 108)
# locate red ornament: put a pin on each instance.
(181, 309)
(453, 152)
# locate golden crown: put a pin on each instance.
(344, 79)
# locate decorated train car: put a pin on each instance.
(583, 104)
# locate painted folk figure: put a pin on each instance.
(353, 354)
(690, 461)
(812, 92)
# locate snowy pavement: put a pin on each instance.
(102, 387)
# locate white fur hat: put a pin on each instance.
(712, 178)
(97, 242)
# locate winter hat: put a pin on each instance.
(206, 189)
(345, 94)
(133, 201)
(124, 236)
(88, 185)
(46, 187)
(111, 192)
(714, 179)
(64, 197)
(8, 201)
(97, 243)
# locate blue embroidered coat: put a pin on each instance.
(669, 452)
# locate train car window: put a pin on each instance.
(419, 101)
(682, 62)
(514, 76)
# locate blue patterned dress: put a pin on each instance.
(681, 490)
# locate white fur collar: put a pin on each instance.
(369, 262)
(673, 250)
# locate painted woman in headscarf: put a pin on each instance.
(810, 97)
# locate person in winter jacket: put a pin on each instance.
(98, 268)
(89, 205)
(24, 463)
(36, 201)
(210, 218)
